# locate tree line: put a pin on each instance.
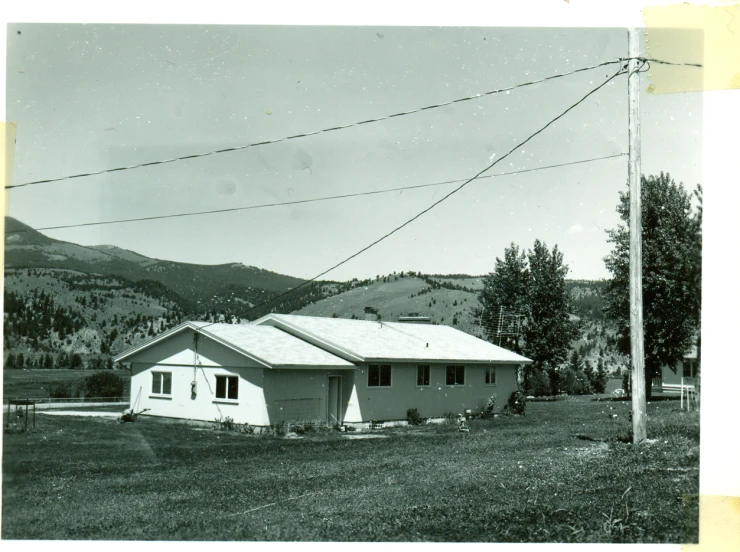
(532, 284)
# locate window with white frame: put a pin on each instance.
(491, 375)
(422, 375)
(379, 375)
(455, 375)
(227, 387)
(162, 383)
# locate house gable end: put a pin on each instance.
(176, 350)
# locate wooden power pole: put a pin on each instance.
(637, 348)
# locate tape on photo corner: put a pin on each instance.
(693, 34)
(7, 135)
(719, 524)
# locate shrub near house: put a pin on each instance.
(99, 385)
(104, 385)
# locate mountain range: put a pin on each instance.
(63, 299)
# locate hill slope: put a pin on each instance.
(398, 295)
(205, 287)
(62, 298)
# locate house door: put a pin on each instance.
(334, 399)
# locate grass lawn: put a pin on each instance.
(560, 474)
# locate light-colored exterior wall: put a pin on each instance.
(671, 378)
(670, 381)
(269, 396)
(177, 356)
(391, 403)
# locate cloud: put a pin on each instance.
(575, 229)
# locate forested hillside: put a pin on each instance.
(72, 306)
(68, 305)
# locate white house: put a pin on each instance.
(302, 368)
(685, 375)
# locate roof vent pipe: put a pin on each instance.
(371, 313)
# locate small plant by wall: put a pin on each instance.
(490, 408)
(413, 417)
(224, 424)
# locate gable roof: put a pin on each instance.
(266, 345)
(361, 340)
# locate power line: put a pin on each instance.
(433, 205)
(323, 131)
(643, 59)
(312, 200)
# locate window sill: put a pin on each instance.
(225, 401)
(491, 384)
(455, 386)
(162, 397)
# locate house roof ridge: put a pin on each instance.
(362, 342)
(359, 357)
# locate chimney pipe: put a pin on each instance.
(371, 314)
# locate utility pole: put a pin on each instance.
(637, 346)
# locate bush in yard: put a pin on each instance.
(412, 415)
(61, 390)
(517, 403)
(104, 384)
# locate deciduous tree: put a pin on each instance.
(532, 284)
(671, 273)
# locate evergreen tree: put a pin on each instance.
(601, 377)
(10, 362)
(20, 361)
(588, 371)
(575, 361)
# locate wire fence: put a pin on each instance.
(67, 400)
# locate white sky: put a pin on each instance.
(88, 98)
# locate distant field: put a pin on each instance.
(36, 383)
(562, 473)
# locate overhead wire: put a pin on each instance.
(313, 133)
(310, 200)
(444, 198)
(662, 62)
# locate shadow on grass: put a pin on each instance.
(659, 398)
(622, 437)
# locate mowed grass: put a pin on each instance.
(539, 478)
